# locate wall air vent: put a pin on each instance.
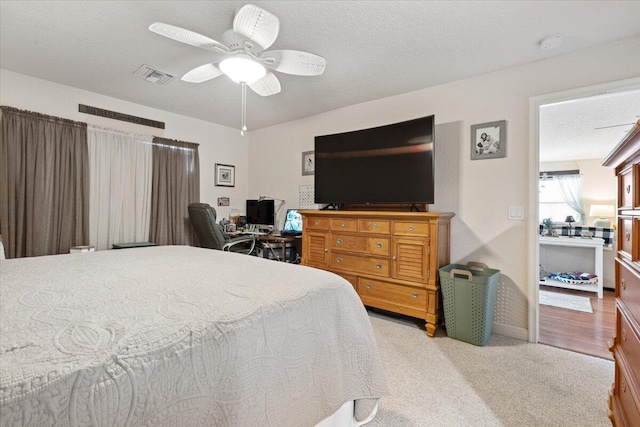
(152, 75)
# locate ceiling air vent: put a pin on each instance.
(152, 75)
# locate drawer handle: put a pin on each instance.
(339, 259)
(378, 266)
(394, 258)
(414, 295)
(628, 188)
(317, 222)
(326, 250)
(411, 228)
(344, 224)
(339, 241)
(378, 245)
(374, 226)
(628, 236)
(623, 282)
(624, 335)
(368, 286)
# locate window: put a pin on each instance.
(554, 202)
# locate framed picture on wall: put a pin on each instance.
(489, 140)
(225, 175)
(308, 163)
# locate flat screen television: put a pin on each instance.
(386, 164)
(261, 212)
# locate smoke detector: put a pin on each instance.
(551, 42)
(152, 75)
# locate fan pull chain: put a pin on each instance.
(244, 108)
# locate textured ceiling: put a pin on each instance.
(373, 49)
(586, 128)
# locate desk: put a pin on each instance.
(568, 259)
(283, 241)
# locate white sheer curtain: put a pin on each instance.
(120, 167)
(571, 188)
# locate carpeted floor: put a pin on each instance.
(444, 382)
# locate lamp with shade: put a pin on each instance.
(569, 219)
(602, 212)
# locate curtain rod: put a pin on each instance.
(551, 174)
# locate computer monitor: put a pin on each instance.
(261, 212)
(293, 221)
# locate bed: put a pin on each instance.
(182, 336)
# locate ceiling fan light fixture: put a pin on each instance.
(242, 69)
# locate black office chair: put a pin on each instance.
(211, 235)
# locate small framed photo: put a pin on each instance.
(308, 163)
(225, 175)
(489, 140)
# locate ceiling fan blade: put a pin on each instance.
(202, 74)
(188, 37)
(257, 25)
(294, 62)
(266, 86)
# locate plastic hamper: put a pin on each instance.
(469, 294)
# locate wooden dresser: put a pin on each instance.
(390, 258)
(624, 397)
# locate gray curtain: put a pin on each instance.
(175, 184)
(44, 184)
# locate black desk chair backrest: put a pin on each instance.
(203, 220)
(209, 232)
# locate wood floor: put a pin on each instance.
(586, 333)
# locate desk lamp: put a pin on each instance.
(569, 219)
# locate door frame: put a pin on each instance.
(534, 172)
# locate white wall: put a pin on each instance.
(478, 192)
(218, 144)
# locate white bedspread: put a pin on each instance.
(179, 336)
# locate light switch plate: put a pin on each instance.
(516, 213)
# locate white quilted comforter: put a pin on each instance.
(179, 336)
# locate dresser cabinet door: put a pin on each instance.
(626, 189)
(410, 259)
(626, 398)
(625, 236)
(316, 249)
(628, 287)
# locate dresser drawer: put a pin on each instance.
(360, 264)
(629, 344)
(374, 226)
(360, 244)
(625, 397)
(344, 224)
(350, 278)
(404, 296)
(313, 223)
(628, 288)
(411, 228)
(626, 186)
(625, 236)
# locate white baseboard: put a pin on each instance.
(510, 331)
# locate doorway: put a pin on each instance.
(563, 327)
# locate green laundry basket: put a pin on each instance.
(469, 294)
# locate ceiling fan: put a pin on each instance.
(242, 55)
